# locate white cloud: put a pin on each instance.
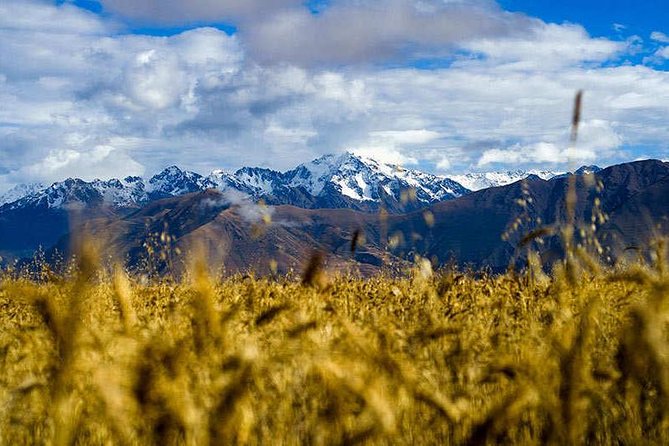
(659, 37)
(393, 146)
(663, 53)
(38, 15)
(376, 30)
(443, 164)
(276, 134)
(439, 159)
(202, 99)
(548, 46)
(402, 137)
(501, 156)
(541, 153)
(155, 81)
(179, 11)
(249, 210)
(285, 31)
(385, 154)
(98, 162)
(599, 136)
(596, 139)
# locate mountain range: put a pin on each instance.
(332, 181)
(484, 180)
(315, 200)
(246, 236)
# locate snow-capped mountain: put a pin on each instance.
(367, 180)
(128, 192)
(257, 181)
(75, 192)
(44, 219)
(121, 193)
(19, 191)
(331, 181)
(482, 180)
(69, 193)
(583, 170)
(172, 182)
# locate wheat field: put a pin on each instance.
(434, 357)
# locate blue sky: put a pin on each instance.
(613, 19)
(599, 16)
(115, 87)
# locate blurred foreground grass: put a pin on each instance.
(580, 356)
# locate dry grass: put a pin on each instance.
(578, 356)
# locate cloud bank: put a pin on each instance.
(441, 85)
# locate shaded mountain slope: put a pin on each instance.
(235, 236)
(247, 236)
(632, 195)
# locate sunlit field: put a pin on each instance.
(575, 352)
(334, 222)
(445, 357)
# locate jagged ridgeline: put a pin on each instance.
(317, 205)
(332, 181)
(248, 235)
(33, 216)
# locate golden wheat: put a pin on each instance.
(577, 356)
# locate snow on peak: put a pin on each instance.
(20, 191)
(314, 175)
(219, 179)
(483, 180)
(174, 181)
(258, 180)
(585, 170)
(69, 193)
(364, 179)
(121, 193)
(326, 179)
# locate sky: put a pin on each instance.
(110, 88)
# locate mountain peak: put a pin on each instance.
(259, 180)
(316, 174)
(335, 160)
(584, 170)
(367, 180)
(338, 180)
(171, 170)
(20, 191)
(345, 158)
(482, 180)
(173, 181)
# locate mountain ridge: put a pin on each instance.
(331, 181)
(466, 230)
(344, 181)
